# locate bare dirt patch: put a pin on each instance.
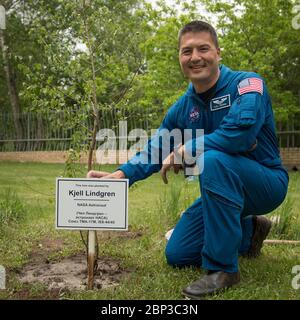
(70, 273)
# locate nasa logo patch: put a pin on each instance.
(194, 114)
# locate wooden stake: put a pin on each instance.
(271, 241)
(91, 258)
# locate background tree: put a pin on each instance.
(9, 54)
(162, 82)
(258, 36)
(89, 56)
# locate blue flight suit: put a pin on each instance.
(237, 181)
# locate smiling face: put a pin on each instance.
(199, 59)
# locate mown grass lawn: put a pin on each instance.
(153, 209)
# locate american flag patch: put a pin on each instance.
(251, 85)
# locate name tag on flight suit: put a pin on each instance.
(220, 103)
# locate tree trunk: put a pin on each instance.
(12, 87)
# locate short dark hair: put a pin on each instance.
(199, 26)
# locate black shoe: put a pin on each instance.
(261, 229)
(211, 283)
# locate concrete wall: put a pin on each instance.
(61, 156)
(290, 157)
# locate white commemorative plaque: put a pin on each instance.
(92, 204)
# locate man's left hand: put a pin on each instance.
(174, 159)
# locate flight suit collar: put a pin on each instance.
(224, 79)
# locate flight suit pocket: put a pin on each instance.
(247, 110)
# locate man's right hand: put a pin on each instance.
(104, 174)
